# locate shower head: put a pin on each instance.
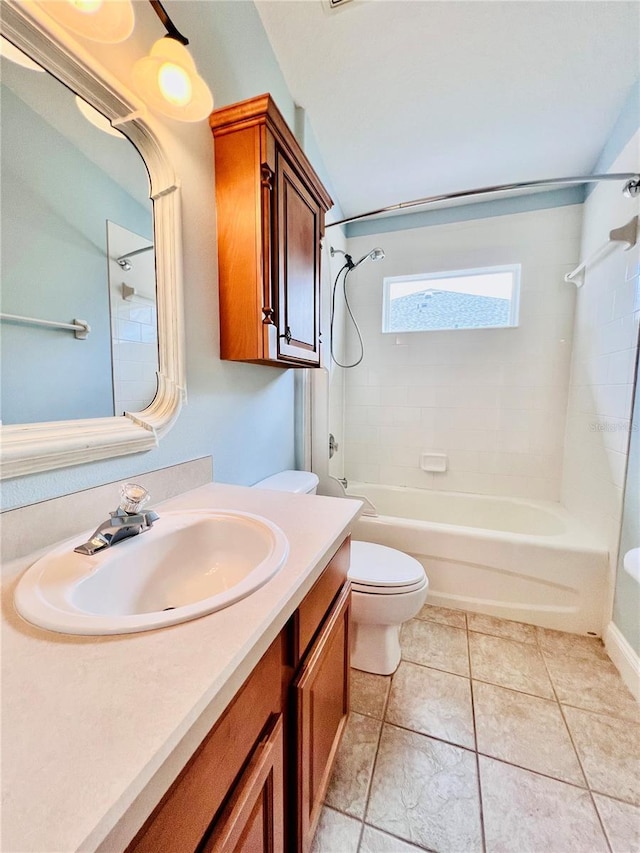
(376, 254)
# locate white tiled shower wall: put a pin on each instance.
(134, 321)
(493, 400)
(605, 340)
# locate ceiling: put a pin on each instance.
(409, 98)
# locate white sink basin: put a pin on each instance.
(189, 564)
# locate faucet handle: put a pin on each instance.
(133, 497)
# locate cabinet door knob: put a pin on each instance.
(287, 335)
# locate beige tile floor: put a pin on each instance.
(491, 737)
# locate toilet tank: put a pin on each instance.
(299, 482)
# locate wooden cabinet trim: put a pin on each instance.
(257, 802)
(310, 797)
(317, 603)
(263, 110)
(292, 189)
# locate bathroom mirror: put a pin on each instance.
(92, 262)
(77, 243)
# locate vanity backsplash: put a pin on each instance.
(30, 528)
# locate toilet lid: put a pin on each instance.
(378, 568)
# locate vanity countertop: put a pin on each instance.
(95, 729)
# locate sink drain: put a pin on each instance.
(168, 608)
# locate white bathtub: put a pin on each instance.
(525, 560)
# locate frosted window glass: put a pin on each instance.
(461, 299)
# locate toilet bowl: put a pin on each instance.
(388, 587)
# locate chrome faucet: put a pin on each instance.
(126, 521)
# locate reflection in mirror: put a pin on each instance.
(74, 200)
(134, 322)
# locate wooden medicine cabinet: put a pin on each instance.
(270, 207)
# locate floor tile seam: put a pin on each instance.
(375, 757)
(434, 668)
(429, 736)
(326, 805)
(441, 624)
(360, 836)
(601, 822)
(577, 752)
(584, 788)
(475, 740)
(463, 613)
(592, 790)
(431, 666)
(527, 645)
(515, 689)
(549, 655)
(635, 804)
(605, 714)
(546, 653)
(444, 624)
(399, 837)
(501, 637)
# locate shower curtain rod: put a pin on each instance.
(631, 188)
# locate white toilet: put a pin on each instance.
(388, 588)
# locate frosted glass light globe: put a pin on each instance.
(175, 84)
(107, 21)
(167, 80)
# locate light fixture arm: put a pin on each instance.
(167, 23)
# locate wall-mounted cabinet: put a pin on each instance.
(270, 209)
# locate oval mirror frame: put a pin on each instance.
(30, 448)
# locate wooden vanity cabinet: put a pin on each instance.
(321, 695)
(270, 209)
(253, 820)
(257, 781)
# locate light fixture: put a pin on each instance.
(107, 21)
(10, 51)
(168, 81)
(97, 119)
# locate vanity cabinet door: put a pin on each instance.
(321, 693)
(253, 819)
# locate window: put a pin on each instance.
(459, 299)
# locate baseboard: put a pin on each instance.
(624, 657)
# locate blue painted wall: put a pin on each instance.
(241, 414)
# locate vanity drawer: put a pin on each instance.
(185, 813)
(312, 611)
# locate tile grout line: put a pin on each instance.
(502, 761)
(536, 644)
(492, 683)
(360, 836)
(575, 749)
(375, 758)
(399, 838)
(475, 740)
(337, 808)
